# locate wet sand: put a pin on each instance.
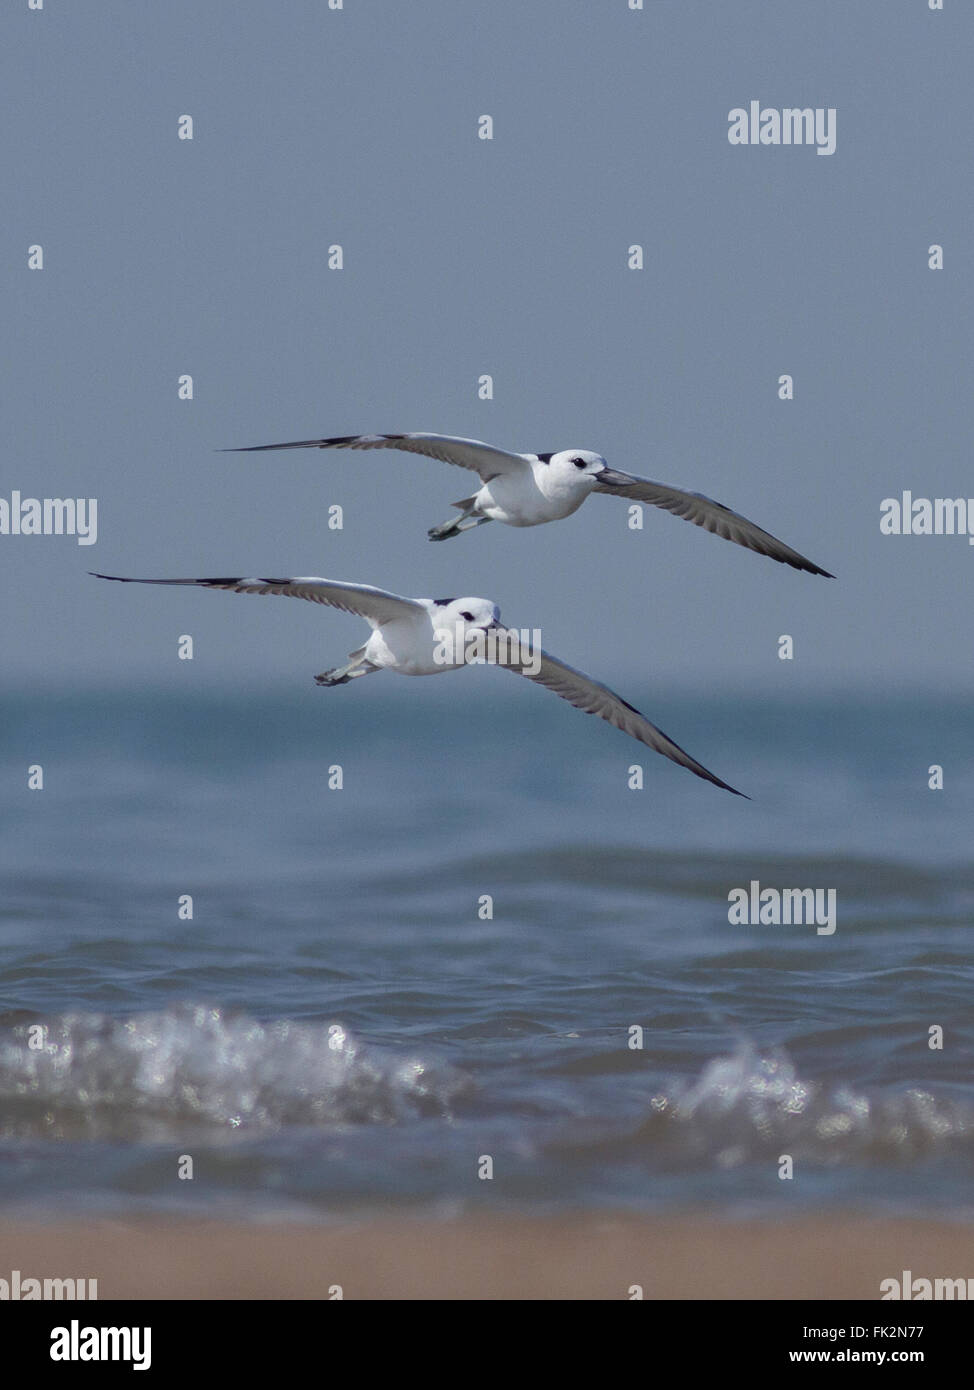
(583, 1257)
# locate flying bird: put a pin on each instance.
(424, 637)
(530, 489)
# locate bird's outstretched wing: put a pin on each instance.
(376, 606)
(464, 453)
(712, 516)
(591, 696)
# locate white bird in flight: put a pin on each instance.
(409, 636)
(530, 489)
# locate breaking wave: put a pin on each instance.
(151, 1074)
(751, 1107)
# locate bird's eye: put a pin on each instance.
(467, 617)
(579, 463)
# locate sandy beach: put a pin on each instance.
(586, 1257)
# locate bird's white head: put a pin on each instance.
(580, 470)
(462, 628)
(461, 615)
(576, 470)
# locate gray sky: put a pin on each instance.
(508, 257)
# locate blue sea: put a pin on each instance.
(345, 1026)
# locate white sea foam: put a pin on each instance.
(749, 1104)
(100, 1075)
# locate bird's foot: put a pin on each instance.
(339, 676)
(455, 525)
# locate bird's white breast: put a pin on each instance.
(532, 498)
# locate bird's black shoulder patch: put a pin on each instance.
(269, 581)
(546, 458)
(232, 580)
(442, 602)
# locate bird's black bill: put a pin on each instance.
(614, 478)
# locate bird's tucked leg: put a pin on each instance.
(455, 525)
(341, 675)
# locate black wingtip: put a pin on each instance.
(718, 782)
(807, 567)
(803, 566)
(337, 441)
(724, 786)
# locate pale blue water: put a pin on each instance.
(338, 1031)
